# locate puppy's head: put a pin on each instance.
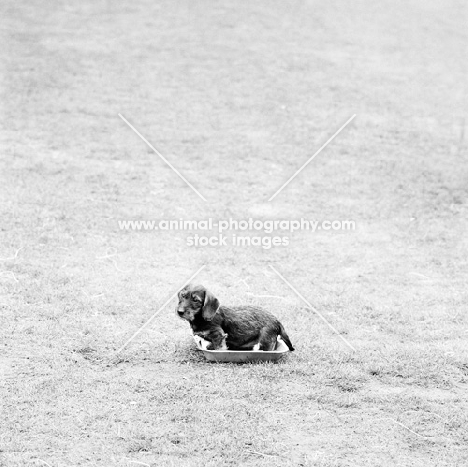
(195, 299)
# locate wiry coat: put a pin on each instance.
(237, 328)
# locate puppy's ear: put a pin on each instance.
(210, 306)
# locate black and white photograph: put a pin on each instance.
(234, 233)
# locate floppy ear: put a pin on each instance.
(210, 306)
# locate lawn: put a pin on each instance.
(237, 96)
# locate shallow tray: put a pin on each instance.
(239, 356)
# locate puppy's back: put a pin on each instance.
(243, 323)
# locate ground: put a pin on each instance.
(237, 96)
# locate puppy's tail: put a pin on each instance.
(286, 339)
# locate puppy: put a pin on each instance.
(236, 328)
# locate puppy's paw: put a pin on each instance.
(202, 343)
(256, 347)
(197, 340)
(206, 345)
(223, 345)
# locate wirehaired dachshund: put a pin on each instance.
(222, 328)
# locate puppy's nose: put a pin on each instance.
(180, 312)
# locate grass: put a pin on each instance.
(237, 97)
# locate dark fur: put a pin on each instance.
(241, 327)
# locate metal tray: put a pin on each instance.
(244, 356)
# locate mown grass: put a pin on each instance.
(237, 97)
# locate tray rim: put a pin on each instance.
(280, 343)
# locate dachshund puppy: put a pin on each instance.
(220, 327)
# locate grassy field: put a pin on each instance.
(237, 95)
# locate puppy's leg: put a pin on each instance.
(223, 343)
(202, 343)
(218, 339)
(267, 339)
